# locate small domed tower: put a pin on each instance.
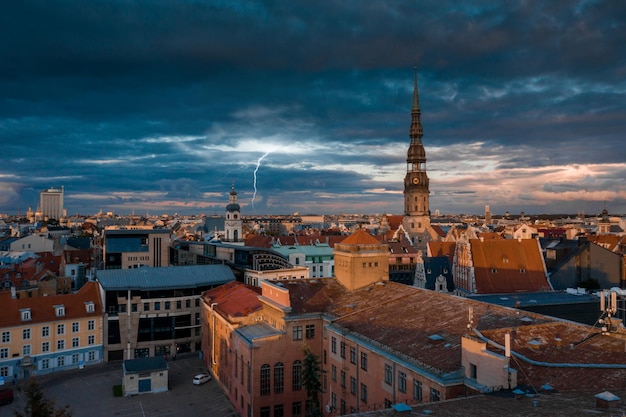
(233, 223)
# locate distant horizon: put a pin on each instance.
(245, 215)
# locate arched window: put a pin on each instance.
(279, 377)
(296, 375)
(265, 379)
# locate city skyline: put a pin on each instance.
(161, 107)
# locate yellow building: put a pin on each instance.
(44, 334)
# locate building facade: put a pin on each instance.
(51, 203)
(48, 334)
(155, 311)
(134, 248)
(381, 343)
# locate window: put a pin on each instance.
(60, 329)
(364, 361)
(352, 355)
(44, 364)
(133, 307)
(60, 344)
(333, 344)
(89, 307)
(4, 371)
(25, 350)
(296, 376)
(59, 310)
(122, 308)
(6, 337)
(333, 372)
(179, 305)
(310, 331)
(45, 331)
(167, 305)
(343, 378)
(417, 390)
(279, 376)
(157, 305)
(45, 347)
(297, 332)
(75, 342)
(401, 381)
(197, 302)
(91, 325)
(25, 334)
(352, 385)
(279, 410)
(91, 356)
(434, 395)
(364, 393)
(75, 327)
(187, 303)
(265, 379)
(146, 306)
(75, 358)
(265, 412)
(4, 353)
(25, 313)
(342, 410)
(343, 350)
(388, 374)
(296, 409)
(61, 361)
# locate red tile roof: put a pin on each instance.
(42, 308)
(442, 249)
(395, 221)
(404, 318)
(508, 266)
(235, 299)
(360, 237)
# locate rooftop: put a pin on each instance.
(147, 278)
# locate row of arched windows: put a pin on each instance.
(279, 377)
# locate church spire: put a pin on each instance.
(416, 122)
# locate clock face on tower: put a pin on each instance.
(416, 180)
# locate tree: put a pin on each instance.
(312, 382)
(37, 405)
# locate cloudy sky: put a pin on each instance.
(160, 106)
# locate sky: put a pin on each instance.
(160, 106)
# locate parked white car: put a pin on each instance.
(201, 379)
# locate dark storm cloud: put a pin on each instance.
(163, 105)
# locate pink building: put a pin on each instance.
(382, 343)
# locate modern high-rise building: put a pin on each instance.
(51, 203)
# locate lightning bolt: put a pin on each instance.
(258, 164)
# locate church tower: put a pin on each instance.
(416, 221)
(233, 223)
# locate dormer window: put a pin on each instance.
(25, 314)
(90, 307)
(59, 310)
